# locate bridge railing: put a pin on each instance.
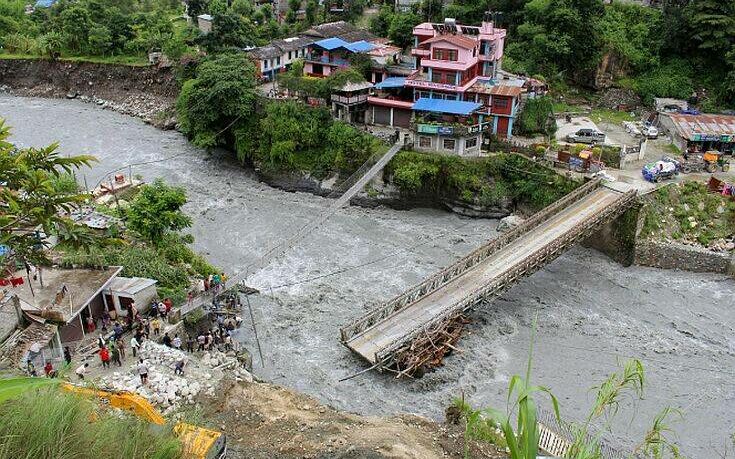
(473, 258)
(514, 273)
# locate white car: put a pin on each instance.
(650, 132)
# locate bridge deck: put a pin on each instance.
(415, 315)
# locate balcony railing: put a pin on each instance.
(328, 60)
(351, 100)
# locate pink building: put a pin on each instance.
(453, 96)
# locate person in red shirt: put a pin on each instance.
(49, 370)
(169, 304)
(105, 357)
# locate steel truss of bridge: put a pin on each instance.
(416, 329)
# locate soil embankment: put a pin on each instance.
(146, 92)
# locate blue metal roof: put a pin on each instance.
(454, 107)
(359, 46)
(392, 82)
(332, 43)
(45, 3)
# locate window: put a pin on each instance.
(449, 144)
(470, 143)
(424, 142)
(278, 60)
(500, 103)
(289, 55)
(438, 76)
(443, 54)
(265, 63)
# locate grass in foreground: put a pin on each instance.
(46, 424)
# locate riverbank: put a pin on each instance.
(591, 311)
(145, 92)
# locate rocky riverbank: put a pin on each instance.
(145, 92)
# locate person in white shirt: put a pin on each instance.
(143, 371)
(81, 371)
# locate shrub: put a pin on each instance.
(673, 79)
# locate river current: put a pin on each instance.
(591, 312)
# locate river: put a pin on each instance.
(591, 312)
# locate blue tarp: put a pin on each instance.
(45, 3)
(332, 43)
(392, 82)
(360, 46)
(454, 107)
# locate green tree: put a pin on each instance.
(219, 100)
(242, 7)
(32, 204)
(217, 7)
(312, 10)
(197, 7)
(401, 27)
(380, 23)
(229, 30)
(75, 24)
(99, 40)
(156, 211)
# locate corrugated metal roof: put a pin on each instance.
(693, 127)
(504, 90)
(459, 40)
(360, 46)
(454, 107)
(392, 82)
(353, 86)
(331, 43)
(130, 285)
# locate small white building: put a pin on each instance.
(123, 291)
(204, 22)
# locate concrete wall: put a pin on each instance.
(620, 240)
(683, 257)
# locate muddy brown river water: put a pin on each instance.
(591, 312)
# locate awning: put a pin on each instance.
(331, 43)
(392, 82)
(454, 107)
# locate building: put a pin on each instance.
(204, 22)
(278, 55)
(701, 132)
(327, 56)
(349, 103)
(454, 94)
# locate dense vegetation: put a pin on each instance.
(499, 180)
(152, 246)
(48, 423)
(686, 46)
(126, 30)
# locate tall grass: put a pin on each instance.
(49, 424)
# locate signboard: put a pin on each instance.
(435, 129)
(428, 129)
(430, 85)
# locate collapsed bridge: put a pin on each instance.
(418, 327)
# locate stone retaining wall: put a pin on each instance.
(684, 257)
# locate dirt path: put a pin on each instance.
(265, 421)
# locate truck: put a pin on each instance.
(586, 135)
(664, 169)
(711, 161)
(197, 442)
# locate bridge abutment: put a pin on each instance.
(617, 239)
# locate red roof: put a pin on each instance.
(505, 90)
(459, 40)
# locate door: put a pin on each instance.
(503, 127)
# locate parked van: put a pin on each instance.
(586, 136)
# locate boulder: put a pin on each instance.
(509, 222)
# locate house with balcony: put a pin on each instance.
(330, 55)
(349, 102)
(454, 92)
